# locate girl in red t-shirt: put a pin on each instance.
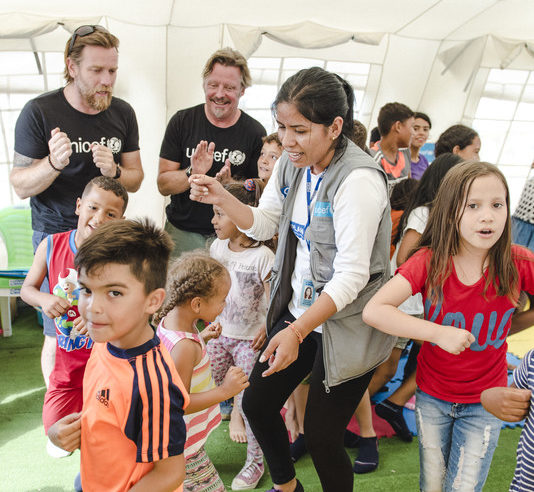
(470, 277)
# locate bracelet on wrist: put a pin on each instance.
(118, 172)
(295, 331)
(52, 165)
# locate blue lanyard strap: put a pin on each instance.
(310, 198)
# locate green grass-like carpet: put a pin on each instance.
(25, 466)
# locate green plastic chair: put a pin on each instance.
(16, 233)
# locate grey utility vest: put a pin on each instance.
(350, 347)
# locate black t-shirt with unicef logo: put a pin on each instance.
(241, 143)
(116, 127)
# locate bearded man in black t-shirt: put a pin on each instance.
(228, 135)
(68, 136)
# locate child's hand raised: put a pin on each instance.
(234, 382)
(213, 330)
(452, 339)
(55, 306)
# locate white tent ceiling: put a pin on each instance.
(429, 52)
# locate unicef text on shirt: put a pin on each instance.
(236, 156)
(84, 146)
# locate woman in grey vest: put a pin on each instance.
(328, 201)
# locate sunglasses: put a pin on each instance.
(83, 31)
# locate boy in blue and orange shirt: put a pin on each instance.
(131, 430)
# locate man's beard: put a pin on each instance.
(90, 96)
(97, 102)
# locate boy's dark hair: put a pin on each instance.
(391, 113)
(422, 116)
(359, 135)
(273, 137)
(107, 184)
(374, 136)
(137, 243)
(460, 135)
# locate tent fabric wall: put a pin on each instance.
(425, 54)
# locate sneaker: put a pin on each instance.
(367, 460)
(55, 451)
(392, 414)
(298, 488)
(297, 448)
(248, 477)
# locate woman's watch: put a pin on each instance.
(117, 172)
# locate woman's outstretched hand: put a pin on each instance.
(205, 189)
(283, 350)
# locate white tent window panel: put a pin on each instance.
(23, 76)
(268, 75)
(504, 118)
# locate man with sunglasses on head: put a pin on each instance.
(229, 140)
(66, 137)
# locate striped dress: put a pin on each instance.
(200, 424)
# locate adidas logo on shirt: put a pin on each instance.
(103, 396)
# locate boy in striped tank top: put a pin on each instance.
(197, 286)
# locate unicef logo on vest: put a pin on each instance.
(236, 157)
(114, 144)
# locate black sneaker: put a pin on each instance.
(298, 488)
(367, 460)
(392, 414)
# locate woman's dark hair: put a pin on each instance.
(460, 135)
(427, 188)
(320, 96)
(402, 192)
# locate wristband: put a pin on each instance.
(295, 331)
(52, 165)
(117, 172)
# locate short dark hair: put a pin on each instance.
(137, 243)
(229, 58)
(422, 116)
(108, 184)
(460, 135)
(390, 113)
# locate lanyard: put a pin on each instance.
(310, 198)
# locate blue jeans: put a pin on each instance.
(456, 444)
(523, 233)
